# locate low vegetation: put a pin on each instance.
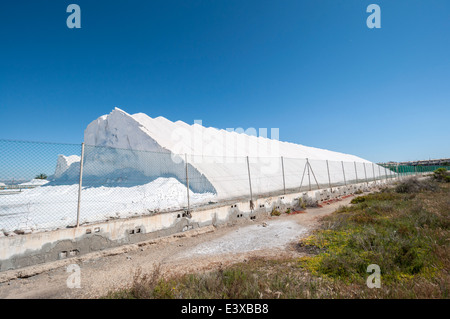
(441, 175)
(275, 212)
(403, 229)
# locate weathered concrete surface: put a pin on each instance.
(115, 268)
(20, 251)
(30, 271)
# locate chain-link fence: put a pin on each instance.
(47, 186)
(406, 170)
(26, 203)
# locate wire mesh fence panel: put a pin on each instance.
(34, 195)
(387, 172)
(366, 172)
(295, 174)
(223, 178)
(40, 182)
(400, 171)
(351, 176)
(407, 170)
(378, 174)
(383, 173)
(392, 171)
(370, 169)
(441, 166)
(337, 177)
(395, 172)
(266, 175)
(321, 173)
(361, 172)
(120, 183)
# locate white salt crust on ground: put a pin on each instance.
(277, 233)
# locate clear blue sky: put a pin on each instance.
(311, 68)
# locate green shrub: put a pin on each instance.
(301, 203)
(275, 212)
(163, 290)
(413, 185)
(441, 175)
(358, 199)
(405, 234)
(395, 230)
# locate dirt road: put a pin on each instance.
(193, 251)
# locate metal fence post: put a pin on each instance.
(373, 171)
(284, 181)
(250, 183)
(187, 182)
(303, 175)
(343, 172)
(314, 175)
(80, 184)
(329, 179)
(309, 176)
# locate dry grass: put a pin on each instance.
(404, 230)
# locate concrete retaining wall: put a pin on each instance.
(18, 251)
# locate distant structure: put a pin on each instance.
(431, 162)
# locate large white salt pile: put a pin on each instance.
(134, 148)
(63, 163)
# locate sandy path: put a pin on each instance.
(199, 250)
